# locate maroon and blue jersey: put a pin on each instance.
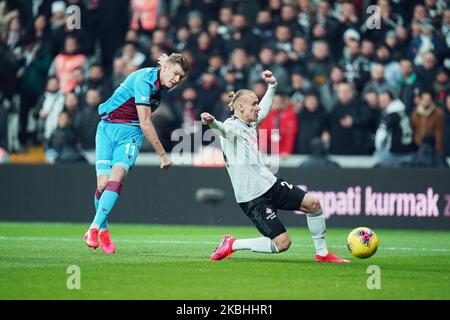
(142, 87)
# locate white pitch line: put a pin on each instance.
(185, 242)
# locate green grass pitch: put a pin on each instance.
(171, 262)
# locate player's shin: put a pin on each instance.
(261, 244)
(106, 203)
(317, 228)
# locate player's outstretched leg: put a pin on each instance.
(317, 228)
(231, 244)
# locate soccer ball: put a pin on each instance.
(362, 242)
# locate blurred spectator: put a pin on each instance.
(371, 104)
(239, 62)
(392, 68)
(394, 136)
(390, 20)
(13, 32)
(282, 38)
(72, 105)
(441, 86)
(289, 18)
(368, 50)
(216, 39)
(41, 30)
(4, 158)
(160, 38)
(182, 39)
(356, 67)
(377, 80)
(119, 72)
(275, 10)
(221, 111)
(80, 88)
(428, 118)
(186, 110)
(278, 131)
(8, 11)
(264, 28)
(445, 30)
(320, 66)
(97, 80)
(435, 10)
(425, 42)
(49, 107)
(267, 62)
(242, 36)
(311, 123)
(259, 88)
(409, 85)
(203, 49)
(86, 121)
(393, 45)
(58, 18)
(447, 126)
(299, 55)
(328, 92)
(67, 61)
(144, 14)
(195, 24)
(428, 70)
(426, 156)
(33, 60)
(225, 22)
(62, 145)
(209, 90)
(319, 156)
(348, 123)
(131, 55)
(300, 86)
(183, 10)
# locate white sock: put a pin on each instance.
(317, 227)
(262, 244)
(94, 226)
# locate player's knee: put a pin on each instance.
(312, 205)
(101, 185)
(283, 243)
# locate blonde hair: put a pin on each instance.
(237, 95)
(181, 60)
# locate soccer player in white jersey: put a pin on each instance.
(258, 192)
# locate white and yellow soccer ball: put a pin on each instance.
(362, 242)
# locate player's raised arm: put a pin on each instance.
(266, 101)
(147, 127)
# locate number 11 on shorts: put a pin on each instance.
(127, 149)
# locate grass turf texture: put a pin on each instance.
(171, 262)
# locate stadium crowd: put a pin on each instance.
(349, 83)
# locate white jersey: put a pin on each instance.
(246, 166)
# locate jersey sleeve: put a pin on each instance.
(143, 90)
(225, 129)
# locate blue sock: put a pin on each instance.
(106, 203)
(97, 196)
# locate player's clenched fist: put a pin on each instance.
(268, 77)
(207, 118)
(165, 162)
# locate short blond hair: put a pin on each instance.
(235, 96)
(181, 60)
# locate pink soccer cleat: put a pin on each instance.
(224, 250)
(106, 242)
(91, 238)
(330, 257)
